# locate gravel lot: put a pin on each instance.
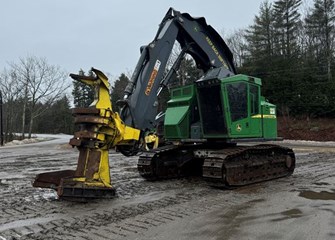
(298, 207)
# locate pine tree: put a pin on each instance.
(287, 23)
(56, 119)
(63, 120)
(260, 37)
(320, 30)
(118, 90)
(317, 96)
(187, 72)
(83, 95)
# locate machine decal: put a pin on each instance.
(211, 44)
(238, 127)
(264, 116)
(152, 77)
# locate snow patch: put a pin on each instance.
(309, 143)
(26, 141)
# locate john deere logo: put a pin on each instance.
(238, 127)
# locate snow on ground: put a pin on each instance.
(309, 143)
(41, 138)
(26, 141)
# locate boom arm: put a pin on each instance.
(196, 38)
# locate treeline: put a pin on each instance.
(293, 52)
(56, 118)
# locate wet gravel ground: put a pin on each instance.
(298, 207)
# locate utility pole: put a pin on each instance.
(1, 121)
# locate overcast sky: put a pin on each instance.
(105, 34)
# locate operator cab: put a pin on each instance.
(220, 107)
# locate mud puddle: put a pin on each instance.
(323, 195)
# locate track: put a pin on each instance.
(170, 209)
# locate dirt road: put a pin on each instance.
(299, 207)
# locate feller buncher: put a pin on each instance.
(201, 126)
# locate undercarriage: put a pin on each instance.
(225, 167)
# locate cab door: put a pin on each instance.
(237, 108)
(255, 110)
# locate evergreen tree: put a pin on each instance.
(118, 89)
(317, 96)
(287, 23)
(283, 86)
(320, 30)
(63, 120)
(56, 119)
(83, 95)
(187, 72)
(260, 37)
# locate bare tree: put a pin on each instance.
(238, 45)
(11, 90)
(42, 85)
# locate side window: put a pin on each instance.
(238, 100)
(254, 99)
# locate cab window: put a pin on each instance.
(238, 100)
(254, 99)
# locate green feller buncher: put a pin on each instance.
(197, 133)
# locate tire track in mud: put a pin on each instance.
(315, 167)
(19, 167)
(140, 205)
(126, 221)
(107, 216)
